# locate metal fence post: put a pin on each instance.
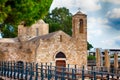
(33, 68)
(0, 68)
(26, 71)
(92, 71)
(50, 70)
(94, 75)
(22, 70)
(31, 72)
(68, 70)
(46, 66)
(8, 69)
(11, 69)
(102, 75)
(75, 70)
(14, 70)
(83, 73)
(4, 68)
(42, 74)
(48, 73)
(36, 77)
(63, 73)
(18, 70)
(108, 76)
(72, 74)
(56, 73)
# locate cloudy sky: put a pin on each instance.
(103, 20)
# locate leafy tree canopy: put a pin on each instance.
(13, 12)
(60, 19)
(89, 46)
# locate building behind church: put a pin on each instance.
(36, 44)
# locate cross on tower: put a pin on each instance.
(79, 9)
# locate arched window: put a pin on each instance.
(60, 38)
(81, 26)
(60, 55)
(37, 31)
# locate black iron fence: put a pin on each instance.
(35, 71)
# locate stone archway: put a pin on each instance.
(60, 59)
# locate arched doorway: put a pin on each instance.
(60, 59)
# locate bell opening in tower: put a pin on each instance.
(81, 26)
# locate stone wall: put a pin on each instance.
(48, 49)
(38, 29)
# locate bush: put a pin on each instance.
(91, 57)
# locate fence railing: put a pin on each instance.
(35, 71)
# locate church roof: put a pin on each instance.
(79, 13)
(40, 22)
(8, 40)
(47, 36)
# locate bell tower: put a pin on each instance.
(79, 32)
(79, 36)
(79, 25)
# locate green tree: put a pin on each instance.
(61, 19)
(13, 12)
(89, 46)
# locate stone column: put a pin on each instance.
(98, 58)
(115, 60)
(107, 60)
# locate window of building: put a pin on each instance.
(37, 31)
(81, 26)
(60, 38)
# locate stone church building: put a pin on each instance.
(36, 44)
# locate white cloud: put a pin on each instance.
(115, 13)
(110, 42)
(112, 1)
(101, 35)
(87, 5)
